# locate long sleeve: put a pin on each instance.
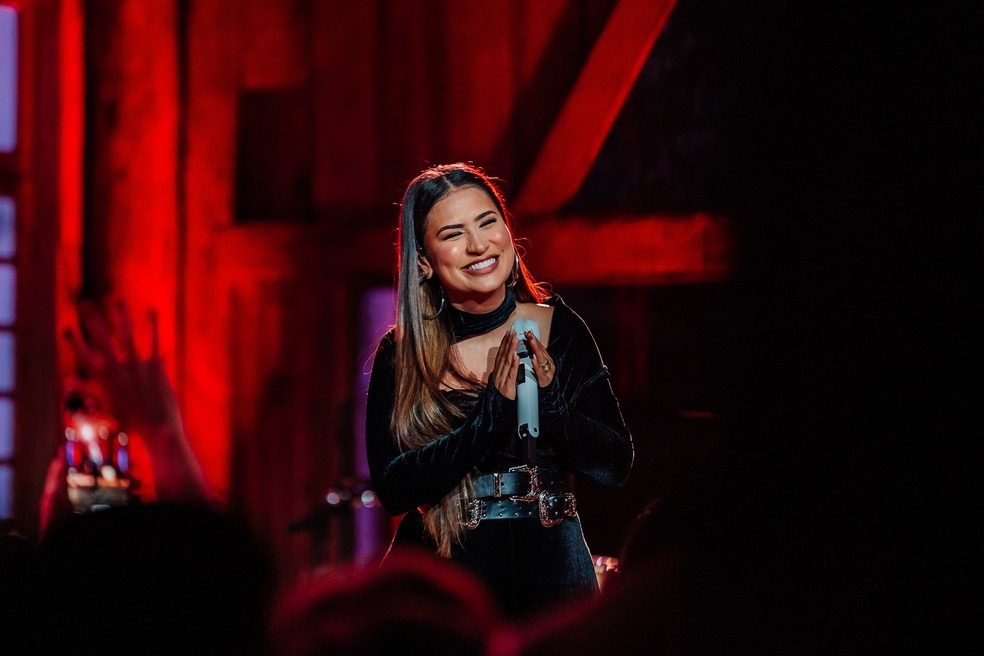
(580, 414)
(404, 480)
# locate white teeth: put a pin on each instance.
(482, 265)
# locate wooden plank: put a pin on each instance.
(630, 250)
(594, 103)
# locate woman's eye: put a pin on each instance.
(487, 222)
(450, 235)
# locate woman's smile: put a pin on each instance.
(483, 266)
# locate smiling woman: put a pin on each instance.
(467, 243)
(443, 441)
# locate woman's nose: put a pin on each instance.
(477, 243)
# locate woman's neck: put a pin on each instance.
(481, 318)
(479, 304)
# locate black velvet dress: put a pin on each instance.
(527, 565)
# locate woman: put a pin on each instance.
(441, 418)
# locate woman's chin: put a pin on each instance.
(486, 295)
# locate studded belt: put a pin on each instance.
(520, 493)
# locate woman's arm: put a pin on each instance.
(590, 436)
(580, 414)
(404, 480)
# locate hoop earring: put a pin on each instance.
(431, 317)
(515, 271)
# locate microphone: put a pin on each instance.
(527, 389)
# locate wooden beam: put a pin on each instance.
(619, 249)
(595, 101)
(630, 250)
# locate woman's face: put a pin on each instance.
(468, 247)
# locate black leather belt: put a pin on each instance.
(517, 482)
(520, 493)
(507, 509)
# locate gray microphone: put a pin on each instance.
(527, 389)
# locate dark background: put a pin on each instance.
(820, 394)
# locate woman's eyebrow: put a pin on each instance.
(457, 226)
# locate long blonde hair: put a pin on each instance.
(421, 411)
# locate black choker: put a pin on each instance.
(464, 324)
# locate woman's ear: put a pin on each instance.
(425, 268)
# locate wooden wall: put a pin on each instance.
(242, 168)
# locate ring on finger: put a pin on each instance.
(545, 365)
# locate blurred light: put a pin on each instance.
(6, 485)
(8, 211)
(8, 79)
(87, 431)
(122, 454)
(6, 429)
(95, 455)
(6, 361)
(8, 287)
(377, 311)
(333, 498)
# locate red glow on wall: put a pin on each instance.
(631, 249)
(71, 130)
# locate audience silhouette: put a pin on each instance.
(414, 600)
(154, 578)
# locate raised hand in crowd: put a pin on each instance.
(113, 379)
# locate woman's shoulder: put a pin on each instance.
(389, 337)
(562, 312)
(385, 347)
(386, 341)
(568, 326)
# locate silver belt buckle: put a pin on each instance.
(534, 492)
(475, 509)
(550, 518)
